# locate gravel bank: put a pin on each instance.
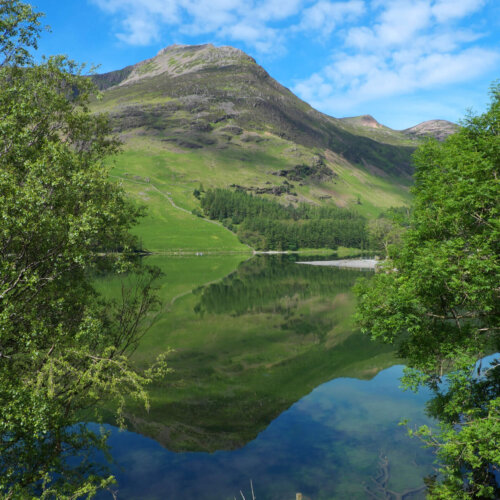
(349, 263)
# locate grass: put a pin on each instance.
(153, 173)
(168, 229)
(344, 252)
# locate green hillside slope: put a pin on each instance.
(201, 115)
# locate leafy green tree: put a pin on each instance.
(63, 348)
(383, 232)
(437, 299)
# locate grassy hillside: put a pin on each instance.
(212, 116)
(169, 227)
(156, 175)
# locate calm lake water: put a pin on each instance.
(271, 383)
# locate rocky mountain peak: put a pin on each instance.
(363, 121)
(369, 121)
(176, 60)
(440, 129)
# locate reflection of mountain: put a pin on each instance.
(250, 346)
(260, 283)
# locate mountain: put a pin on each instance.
(224, 91)
(367, 126)
(210, 115)
(363, 121)
(439, 129)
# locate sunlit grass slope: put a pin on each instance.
(163, 178)
(169, 225)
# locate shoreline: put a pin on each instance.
(345, 263)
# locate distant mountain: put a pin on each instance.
(191, 95)
(204, 116)
(439, 129)
(363, 121)
(367, 126)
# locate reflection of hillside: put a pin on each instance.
(259, 282)
(248, 347)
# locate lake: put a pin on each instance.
(271, 383)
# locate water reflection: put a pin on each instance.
(341, 441)
(248, 347)
(250, 397)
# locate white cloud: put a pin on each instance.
(263, 24)
(410, 45)
(139, 31)
(444, 10)
(323, 17)
(274, 10)
(206, 16)
(143, 21)
(256, 35)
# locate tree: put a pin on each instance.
(437, 299)
(62, 347)
(387, 229)
(383, 232)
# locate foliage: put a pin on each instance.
(383, 232)
(19, 30)
(62, 347)
(388, 228)
(266, 224)
(437, 298)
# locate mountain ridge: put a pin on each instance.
(229, 56)
(225, 85)
(206, 116)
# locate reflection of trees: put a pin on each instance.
(467, 408)
(259, 284)
(61, 464)
(245, 377)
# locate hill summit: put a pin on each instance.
(439, 129)
(190, 95)
(364, 121)
(178, 60)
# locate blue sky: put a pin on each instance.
(402, 61)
